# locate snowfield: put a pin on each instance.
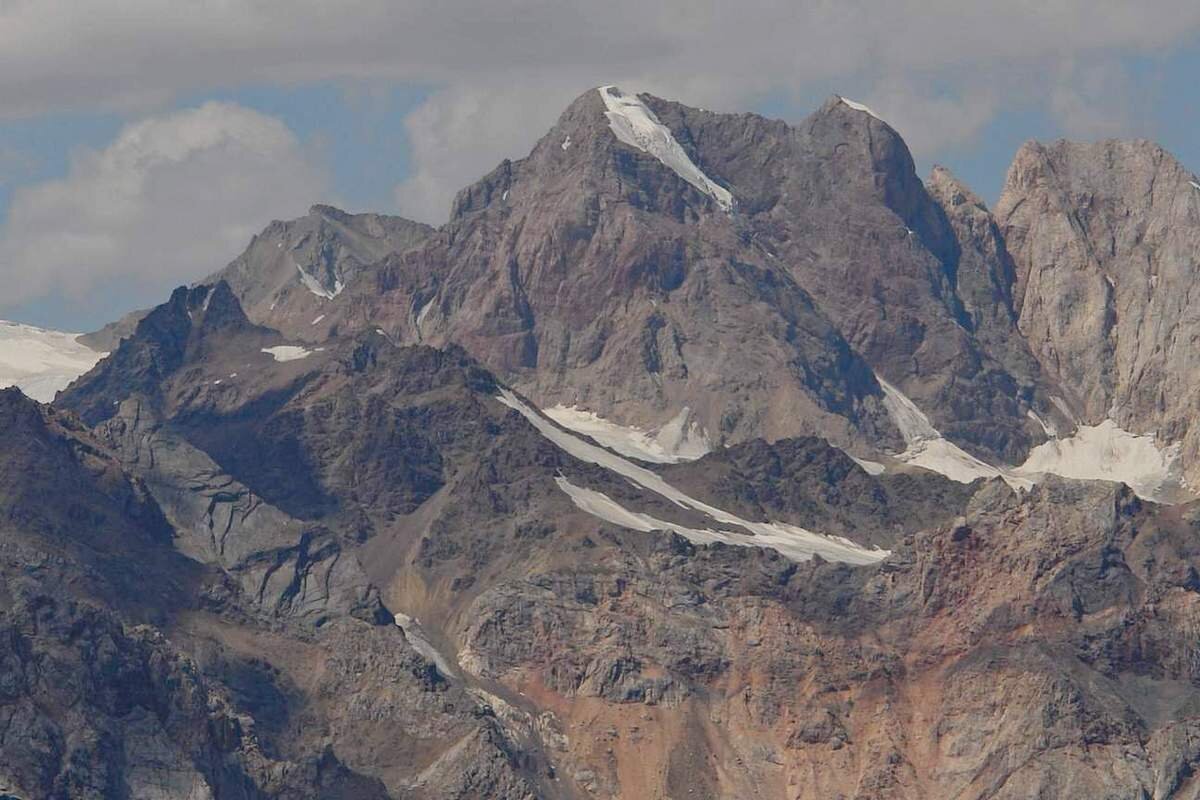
(313, 285)
(633, 123)
(1103, 452)
(287, 352)
(675, 441)
(862, 108)
(792, 541)
(41, 362)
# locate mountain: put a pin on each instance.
(697, 456)
(1105, 241)
(564, 611)
(604, 275)
(337, 489)
(290, 270)
(598, 275)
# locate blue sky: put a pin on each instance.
(142, 151)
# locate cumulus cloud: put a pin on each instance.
(172, 198)
(445, 136)
(1095, 100)
(932, 122)
(500, 71)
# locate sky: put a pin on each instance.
(142, 143)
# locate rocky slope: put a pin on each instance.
(308, 532)
(331, 492)
(338, 489)
(644, 664)
(596, 274)
(608, 269)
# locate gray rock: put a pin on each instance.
(1105, 238)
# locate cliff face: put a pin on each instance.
(1105, 239)
(611, 273)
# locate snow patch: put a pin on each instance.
(423, 313)
(674, 442)
(287, 352)
(1194, 184)
(313, 285)
(416, 637)
(1106, 452)
(566, 142)
(42, 362)
(870, 467)
(634, 124)
(318, 319)
(860, 107)
(793, 541)
(1047, 428)
(927, 448)
(1103, 452)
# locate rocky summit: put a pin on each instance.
(697, 455)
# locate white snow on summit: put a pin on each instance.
(633, 123)
(675, 441)
(40, 362)
(792, 541)
(859, 107)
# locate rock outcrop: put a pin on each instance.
(1106, 240)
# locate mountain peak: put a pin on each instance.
(590, 146)
(329, 212)
(945, 186)
(856, 106)
(1114, 166)
(634, 124)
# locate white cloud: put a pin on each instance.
(929, 122)
(1095, 100)
(503, 70)
(172, 198)
(462, 133)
